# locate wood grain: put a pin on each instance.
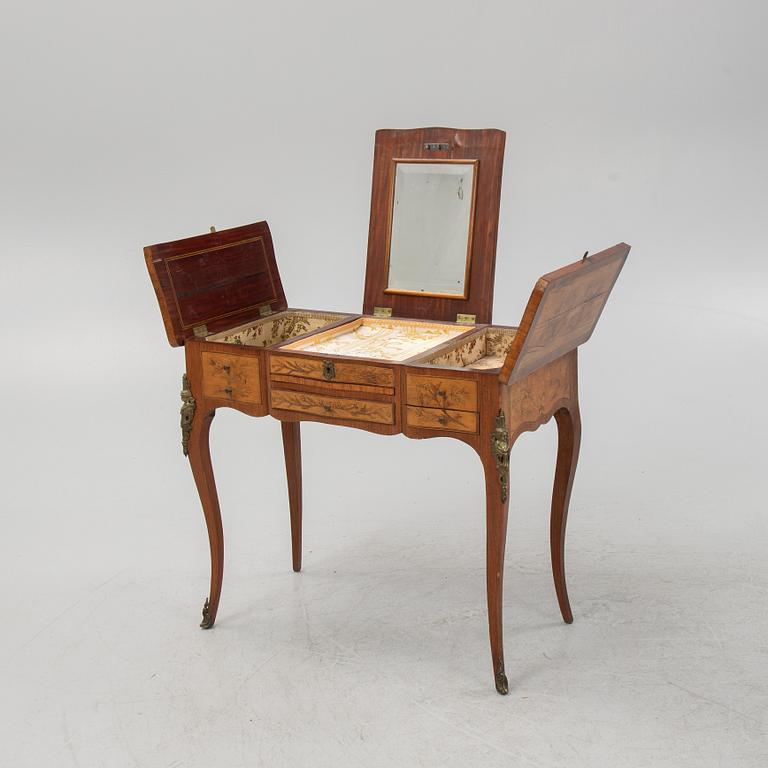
(202, 471)
(441, 419)
(532, 401)
(538, 379)
(331, 386)
(441, 392)
(232, 377)
(292, 452)
(486, 146)
(312, 368)
(563, 311)
(220, 280)
(333, 407)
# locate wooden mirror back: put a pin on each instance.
(486, 146)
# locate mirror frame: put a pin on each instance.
(391, 203)
(486, 146)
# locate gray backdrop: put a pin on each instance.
(135, 123)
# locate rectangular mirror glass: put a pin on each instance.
(431, 227)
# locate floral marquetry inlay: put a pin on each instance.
(333, 407)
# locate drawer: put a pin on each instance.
(231, 377)
(333, 407)
(441, 418)
(331, 370)
(436, 392)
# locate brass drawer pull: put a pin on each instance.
(441, 393)
(329, 370)
(228, 391)
(225, 368)
(443, 420)
(327, 408)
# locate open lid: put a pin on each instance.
(435, 153)
(212, 282)
(563, 311)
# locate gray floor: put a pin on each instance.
(377, 654)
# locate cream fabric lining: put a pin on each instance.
(381, 339)
(485, 351)
(278, 327)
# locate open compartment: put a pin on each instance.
(277, 327)
(484, 350)
(379, 338)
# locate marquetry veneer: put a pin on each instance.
(419, 372)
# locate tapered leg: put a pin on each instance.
(292, 450)
(200, 461)
(569, 438)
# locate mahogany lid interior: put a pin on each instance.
(212, 282)
(486, 146)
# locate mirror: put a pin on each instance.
(431, 227)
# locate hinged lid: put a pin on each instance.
(486, 147)
(212, 282)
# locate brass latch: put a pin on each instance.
(265, 310)
(201, 331)
(329, 370)
(382, 311)
(466, 319)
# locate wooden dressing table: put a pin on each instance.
(422, 359)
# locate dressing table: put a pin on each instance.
(423, 358)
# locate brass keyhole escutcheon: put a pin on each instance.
(329, 370)
(441, 393)
(327, 408)
(443, 420)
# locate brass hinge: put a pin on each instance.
(382, 311)
(466, 319)
(201, 331)
(265, 310)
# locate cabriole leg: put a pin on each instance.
(202, 469)
(496, 465)
(569, 438)
(292, 450)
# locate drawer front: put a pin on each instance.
(333, 407)
(441, 418)
(331, 370)
(435, 392)
(231, 377)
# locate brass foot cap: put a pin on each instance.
(207, 621)
(502, 686)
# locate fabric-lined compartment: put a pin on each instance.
(278, 327)
(380, 339)
(485, 350)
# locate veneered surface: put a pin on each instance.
(218, 280)
(487, 147)
(562, 311)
